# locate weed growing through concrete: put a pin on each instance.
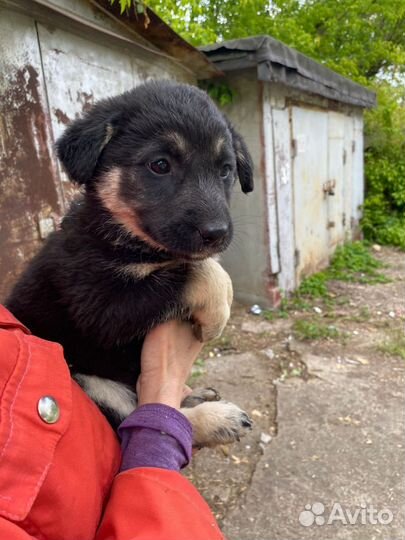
(309, 329)
(352, 262)
(395, 344)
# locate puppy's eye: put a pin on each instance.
(160, 166)
(225, 171)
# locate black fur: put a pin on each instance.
(75, 291)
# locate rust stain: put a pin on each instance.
(26, 172)
(61, 117)
(86, 100)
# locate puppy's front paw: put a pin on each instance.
(217, 423)
(208, 296)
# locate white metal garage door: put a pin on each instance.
(323, 185)
(310, 173)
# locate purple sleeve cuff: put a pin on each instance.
(155, 435)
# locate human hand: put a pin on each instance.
(168, 353)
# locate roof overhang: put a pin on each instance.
(140, 32)
(276, 62)
(152, 28)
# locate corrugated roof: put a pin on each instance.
(276, 62)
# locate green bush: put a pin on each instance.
(384, 206)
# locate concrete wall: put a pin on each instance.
(50, 74)
(247, 259)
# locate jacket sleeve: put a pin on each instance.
(11, 531)
(156, 504)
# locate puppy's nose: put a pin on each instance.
(213, 232)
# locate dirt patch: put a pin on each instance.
(254, 354)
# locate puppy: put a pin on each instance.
(157, 165)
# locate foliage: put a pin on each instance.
(125, 5)
(354, 262)
(351, 262)
(219, 92)
(384, 208)
(357, 38)
(360, 39)
(307, 329)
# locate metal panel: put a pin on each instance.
(28, 196)
(310, 173)
(358, 171)
(349, 179)
(247, 259)
(271, 194)
(334, 195)
(285, 203)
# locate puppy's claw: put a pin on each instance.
(198, 333)
(217, 422)
(246, 421)
(200, 395)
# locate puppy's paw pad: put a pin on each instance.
(200, 395)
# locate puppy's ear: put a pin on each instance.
(80, 146)
(244, 162)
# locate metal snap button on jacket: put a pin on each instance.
(48, 409)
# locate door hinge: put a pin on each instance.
(293, 148)
(353, 146)
(344, 156)
(296, 258)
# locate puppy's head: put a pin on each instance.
(162, 160)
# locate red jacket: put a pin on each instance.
(58, 481)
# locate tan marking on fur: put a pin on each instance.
(219, 143)
(108, 190)
(216, 422)
(110, 394)
(109, 132)
(178, 140)
(143, 270)
(208, 295)
(240, 156)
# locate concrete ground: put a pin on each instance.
(326, 457)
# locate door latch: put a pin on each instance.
(329, 187)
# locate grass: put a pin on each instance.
(197, 370)
(362, 316)
(352, 262)
(310, 330)
(395, 344)
(271, 315)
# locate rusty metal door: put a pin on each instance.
(78, 73)
(30, 196)
(310, 174)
